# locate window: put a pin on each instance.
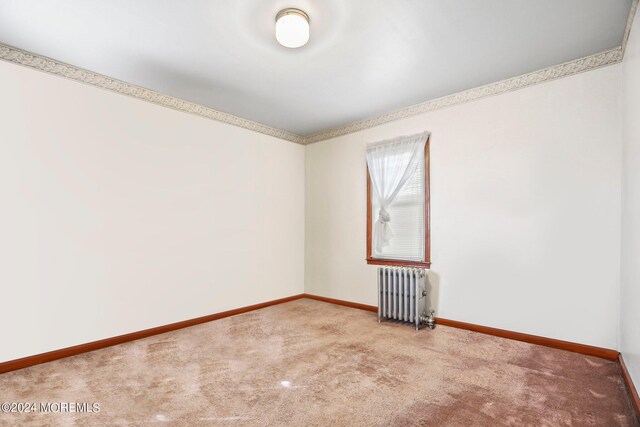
(398, 201)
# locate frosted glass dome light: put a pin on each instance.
(292, 28)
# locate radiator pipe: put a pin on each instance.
(429, 320)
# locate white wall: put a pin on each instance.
(525, 191)
(630, 296)
(118, 215)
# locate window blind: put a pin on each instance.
(407, 217)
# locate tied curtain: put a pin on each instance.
(391, 164)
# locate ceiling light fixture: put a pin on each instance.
(292, 28)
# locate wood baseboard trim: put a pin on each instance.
(631, 388)
(588, 350)
(25, 362)
(603, 353)
(342, 302)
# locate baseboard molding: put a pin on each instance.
(631, 388)
(25, 362)
(342, 302)
(589, 350)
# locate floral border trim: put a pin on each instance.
(41, 63)
(588, 63)
(627, 30)
(51, 66)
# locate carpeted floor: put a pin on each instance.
(309, 363)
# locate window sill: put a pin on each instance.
(398, 263)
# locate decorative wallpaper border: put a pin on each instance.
(41, 63)
(588, 63)
(570, 68)
(627, 30)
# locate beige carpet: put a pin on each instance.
(309, 363)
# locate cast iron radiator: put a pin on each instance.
(402, 295)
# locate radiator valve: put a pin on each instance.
(430, 320)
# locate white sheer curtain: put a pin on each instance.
(391, 164)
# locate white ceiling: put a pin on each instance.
(364, 58)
